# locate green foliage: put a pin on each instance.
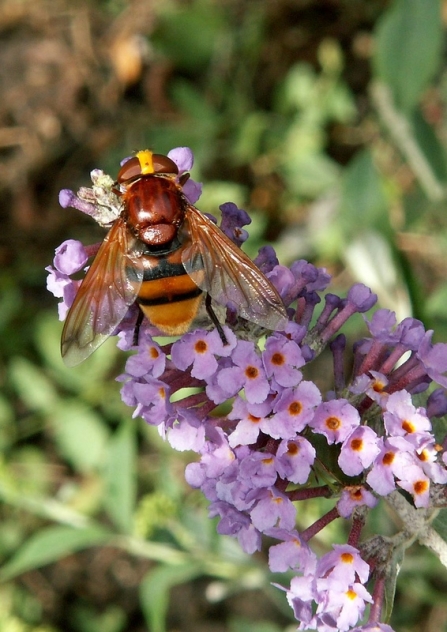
(120, 477)
(154, 592)
(342, 159)
(49, 545)
(409, 44)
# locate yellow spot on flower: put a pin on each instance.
(347, 558)
(333, 423)
(408, 426)
(420, 487)
(356, 493)
(378, 386)
(388, 458)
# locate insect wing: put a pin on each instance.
(223, 270)
(104, 296)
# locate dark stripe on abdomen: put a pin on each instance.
(163, 269)
(173, 297)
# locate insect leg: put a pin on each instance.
(215, 320)
(136, 331)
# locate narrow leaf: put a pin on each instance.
(409, 44)
(49, 545)
(81, 435)
(154, 592)
(120, 477)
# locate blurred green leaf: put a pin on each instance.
(86, 619)
(33, 386)
(189, 36)
(390, 582)
(371, 259)
(363, 202)
(436, 302)
(297, 90)
(440, 524)
(192, 102)
(10, 301)
(432, 148)
(245, 625)
(154, 592)
(308, 175)
(80, 435)
(249, 138)
(49, 545)
(409, 42)
(120, 477)
(85, 378)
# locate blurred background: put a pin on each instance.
(326, 121)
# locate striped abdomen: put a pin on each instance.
(168, 296)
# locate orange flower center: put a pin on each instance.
(388, 458)
(200, 346)
(420, 487)
(333, 423)
(251, 372)
(278, 359)
(292, 448)
(408, 426)
(347, 558)
(357, 445)
(295, 408)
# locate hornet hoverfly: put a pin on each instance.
(165, 255)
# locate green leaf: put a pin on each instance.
(85, 619)
(81, 435)
(372, 260)
(49, 545)
(363, 203)
(190, 36)
(430, 145)
(34, 388)
(390, 583)
(409, 45)
(85, 378)
(121, 477)
(440, 524)
(245, 625)
(154, 592)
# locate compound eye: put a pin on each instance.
(131, 169)
(163, 164)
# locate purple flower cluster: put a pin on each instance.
(260, 456)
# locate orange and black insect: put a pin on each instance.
(165, 255)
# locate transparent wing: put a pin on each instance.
(223, 270)
(110, 286)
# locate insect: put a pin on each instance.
(165, 255)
